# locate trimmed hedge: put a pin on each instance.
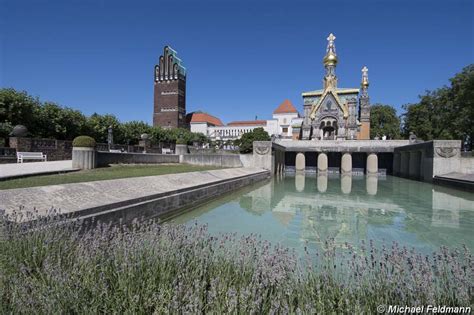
(83, 141)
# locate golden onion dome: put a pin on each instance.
(330, 59)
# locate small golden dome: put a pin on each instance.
(330, 59)
(365, 83)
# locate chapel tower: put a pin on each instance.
(331, 113)
(169, 110)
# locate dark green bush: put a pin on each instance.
(246, 141)
(83, 141)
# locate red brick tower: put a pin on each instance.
(169, 109)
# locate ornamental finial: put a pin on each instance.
(365, 77)
(331, 58)
(331, 46)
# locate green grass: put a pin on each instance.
(112, 172)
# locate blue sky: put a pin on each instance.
(243, 58)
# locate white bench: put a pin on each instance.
(20, 156)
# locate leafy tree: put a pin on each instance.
(98, 125)
(446, 113)
(384, 121)
(132, 131)
(18, 108)
(58, 122)
(246, 141)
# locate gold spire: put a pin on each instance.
(331, 58)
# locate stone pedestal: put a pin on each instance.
(84, 158)
(300, 163)
(372, 164)
(181, 149)
(262, 155)
(346, 163)
(322, 162)
(145, 143)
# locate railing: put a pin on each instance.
(167, 148)
(43, 144)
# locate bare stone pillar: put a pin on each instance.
(346, 163)
(346, 183)
(396, 163)
(322, 182)
(322, 162)
(371, 183)
(300, 163)
(372, 164)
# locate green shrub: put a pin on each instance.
(246, 141)
(83, 141)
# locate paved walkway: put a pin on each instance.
(34, 168)
(89, 196)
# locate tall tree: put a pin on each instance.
(445, 113)
(58, 122)
(98, 125)
(132, 131)
(384, 121)
(18, 108)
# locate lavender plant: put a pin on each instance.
(52, 266)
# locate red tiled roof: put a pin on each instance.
(205, 118)
(248, 123)
(285, 107)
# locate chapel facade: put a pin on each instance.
(334, 113)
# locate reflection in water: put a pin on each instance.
(309, 209)
(346, 183)
(299, 181)
(371, 184)
(322, 182)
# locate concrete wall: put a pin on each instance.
(246, 160)
(467, 165)
(422, 161)
(227, 160)
(342, 146)
(54, 149)
(172, 203)
(106, 158)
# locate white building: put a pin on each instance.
(285, 118)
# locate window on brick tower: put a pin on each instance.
(285, 130)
